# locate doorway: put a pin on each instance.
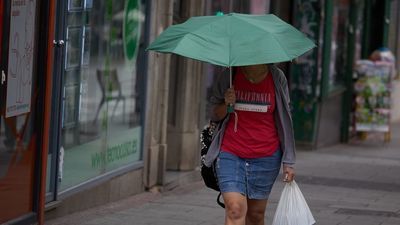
(20, 111)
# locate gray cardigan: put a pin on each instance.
(283, 119)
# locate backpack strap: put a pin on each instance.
(219, 201)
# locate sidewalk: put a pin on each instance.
(353, 184)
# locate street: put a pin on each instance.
(353, 184)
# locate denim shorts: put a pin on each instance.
(251, 177)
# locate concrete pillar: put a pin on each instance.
(184, 98)
(155, 141)
(259, 6)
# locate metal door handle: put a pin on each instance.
(3, 77)
(59, 43)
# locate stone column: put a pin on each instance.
(184, 102)
(155, 141)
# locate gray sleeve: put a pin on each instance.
(287, 95)
(285, 86)
(221, 83)
(289, 156)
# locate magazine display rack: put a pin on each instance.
(372, 90)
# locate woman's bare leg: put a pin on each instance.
(235, 208)
(255, 212)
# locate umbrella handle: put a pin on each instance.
(230, 108)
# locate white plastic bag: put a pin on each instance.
(292, 207)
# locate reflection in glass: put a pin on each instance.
(86, 46)
(88, 4)
(339, 43)
(75, 5)
(73, 49)
(71, 105)
(102, 103)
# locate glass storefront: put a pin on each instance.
(102, 90)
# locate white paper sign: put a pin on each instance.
(20, 57)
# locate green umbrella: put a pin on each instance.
(234, 40)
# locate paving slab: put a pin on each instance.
(346, 184)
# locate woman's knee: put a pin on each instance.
(235, 210)
(256, 211)
(255, 216)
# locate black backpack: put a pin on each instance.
(208, 173)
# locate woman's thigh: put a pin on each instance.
(231, 173)
(252, 178)
(261, 175)
(255, 211)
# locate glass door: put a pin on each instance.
(98, 92)
(52, 174)
(19, 121)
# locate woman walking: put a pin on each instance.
(252, 142)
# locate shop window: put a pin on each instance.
(339, 43)
(394, 32)
(101, 126)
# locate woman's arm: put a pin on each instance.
(216, 103)
(288, 169)
(220, 110)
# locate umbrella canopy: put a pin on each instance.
(234, 40)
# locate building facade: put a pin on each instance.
(22, 88)
(321, 81)
(77, 91)
(88, 116)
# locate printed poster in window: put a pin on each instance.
(75, 5)
(20, 55)
(73, 50)
(86, 46)
(88, 4)
(71, 105)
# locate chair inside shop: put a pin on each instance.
(111, 91)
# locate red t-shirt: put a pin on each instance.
(255, 134)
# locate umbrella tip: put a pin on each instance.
(219, 13)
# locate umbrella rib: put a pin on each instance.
(193, 33)
(280, 44)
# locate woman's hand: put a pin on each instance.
(288, 173)
(221, 110)
(230, 97)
